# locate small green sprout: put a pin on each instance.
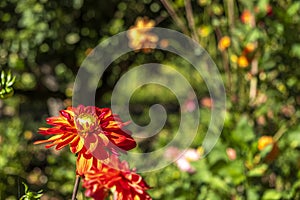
(6, 83)
(29, 195)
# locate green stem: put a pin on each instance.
(280, 133)
(75, 189)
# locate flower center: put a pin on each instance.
(85, 123)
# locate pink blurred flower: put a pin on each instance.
(231, 153)
(185, 157)
(189, 106)
(185, 165)
(171, 153)
(191, 155)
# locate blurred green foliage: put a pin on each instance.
(43, 43)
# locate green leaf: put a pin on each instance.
(268, 64)
(266, 150)
(26, 187)
(295, 50)
(271, 194)
(72, 38)
(293, 9)
(219, 184)
(254, 35)
(234, 171)
(294, 138)
(252, 194)
(262, 4)
(243, 132)
(217, 155)
(258, 171)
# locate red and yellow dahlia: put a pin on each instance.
(117, 178)
(92, 133)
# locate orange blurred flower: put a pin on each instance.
(247, 17)
(249, 48)
(140, 37)
(267, 9)
(126, 184)
(265, 141)
(207, 102)
(243, 61)
(164, 43)
(144, 22)
(93, 133)
(88, 51)
(224, 43)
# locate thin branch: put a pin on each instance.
(174, 16)
(76, 186)
(190, 19)
(230, 10)
(159, 19)
(254, 69)
(225, 61)
(253, 81)
(230, 13)
(280, 133)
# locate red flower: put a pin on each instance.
(93, 133)
(126, 184)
